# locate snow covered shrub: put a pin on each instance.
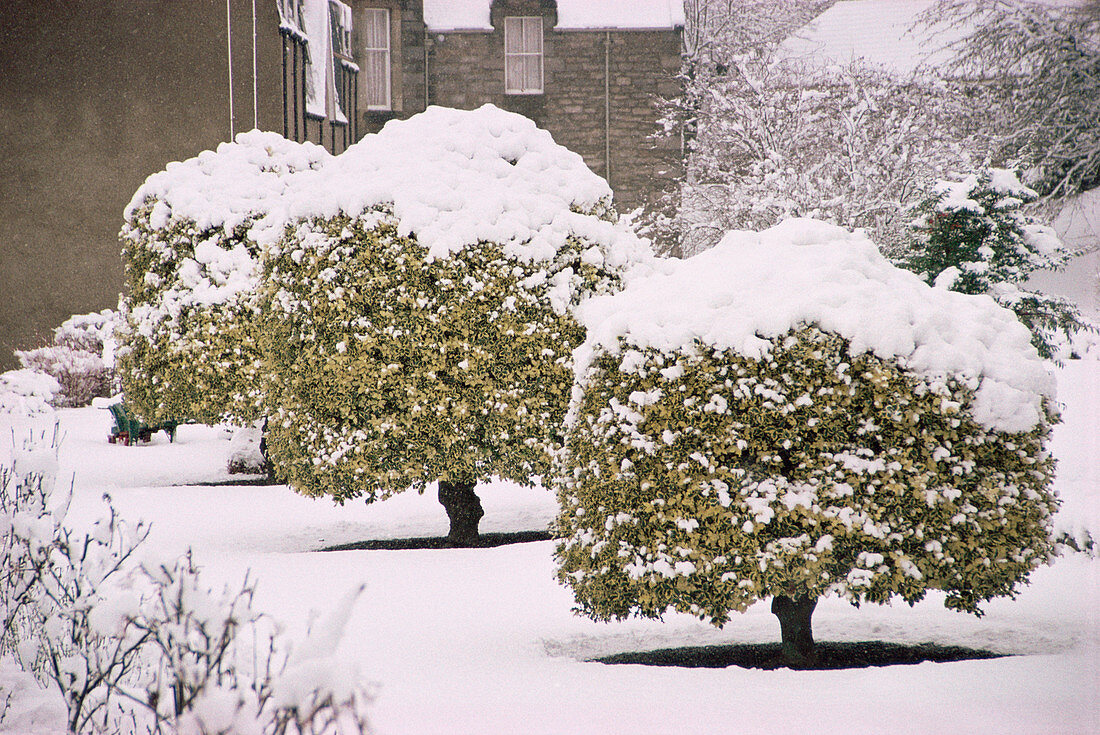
(971, 236)
(790, 416)
(27, 392)
(216, 666)
(81, 376)
(94, 332)
(65, 596)
(194, 632)
(419, 323)
(316, 691)
(81, 358)
(151, 647)
(246, 451)
(188, 341)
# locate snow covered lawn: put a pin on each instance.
(484, 641)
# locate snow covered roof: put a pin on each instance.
(473, 15)
(879, 32)
(754, 286)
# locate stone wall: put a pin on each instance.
(599, 92)
(92, 101)
(407, 57)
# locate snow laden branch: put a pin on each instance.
(715, 26)
(776, 138)
(135, 645)
(1040, 64)
(62, 594)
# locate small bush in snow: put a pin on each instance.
(188, 340)
(246, 455)
(81, 375)
(971, 236)
(425, 334)
(147, 647)
(81, 358)
(27, 392)
(806, 420)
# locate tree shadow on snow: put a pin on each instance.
(486, 540)
(857, 655)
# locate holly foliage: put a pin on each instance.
(391, 370)
(703, 480)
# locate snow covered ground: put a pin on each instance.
(484, 641)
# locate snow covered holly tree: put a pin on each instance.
(972, 236)
(188, 346)
(790, 416)
(418, 309)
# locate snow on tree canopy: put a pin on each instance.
(758, 285)
(956, 194)
(220, 190)
(191, 275)
(458, 177)
(226, 187)
(418, 291)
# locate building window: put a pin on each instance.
(376, 59)
(523, 55)
(290, 15)
(343, 67)
(320, 76)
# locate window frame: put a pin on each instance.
(387, 55)
(339, 17)
(513, 57)
(290, 14)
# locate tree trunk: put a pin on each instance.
(794, 623)
(464, 511)
(269, 468)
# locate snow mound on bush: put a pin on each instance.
(758, 285)
(27, 392)
(457, 177)
(226, 187)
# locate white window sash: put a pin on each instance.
(523, 71)
(339, 27)
(376, 59)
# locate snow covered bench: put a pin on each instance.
(129, 430)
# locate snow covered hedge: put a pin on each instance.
(790, 415)
(188, 342)
(419, 321)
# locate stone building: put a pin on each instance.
(98, 94)
(586, 70)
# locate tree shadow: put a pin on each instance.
(485, 540)
(855, 655)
